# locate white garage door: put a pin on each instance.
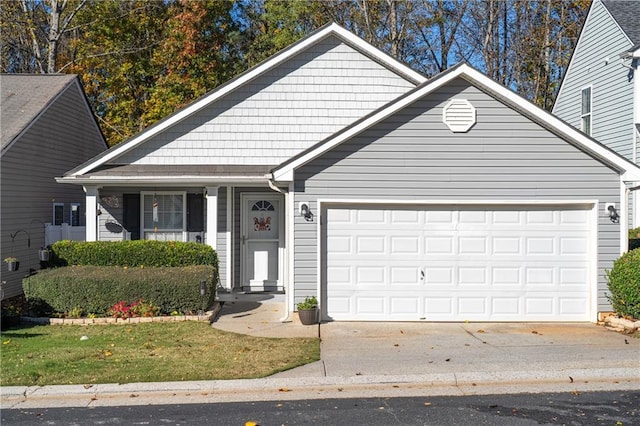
(444, 263)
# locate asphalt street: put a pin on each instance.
(568, 408)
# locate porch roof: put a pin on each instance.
(172, 175)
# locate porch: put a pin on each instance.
(260, 314)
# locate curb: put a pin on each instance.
(319, 387)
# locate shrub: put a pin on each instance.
(96, 289)
(624, 284)
(136, 309)
(132, 253)
(634, 233)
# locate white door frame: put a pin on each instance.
(244, 215)
(590, 205)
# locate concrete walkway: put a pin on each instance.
(387, 359)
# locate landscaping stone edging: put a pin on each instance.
(207, 316)
(622, 324)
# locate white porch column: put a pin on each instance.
(91, 219)
(212, 215)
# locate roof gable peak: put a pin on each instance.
(328, 30)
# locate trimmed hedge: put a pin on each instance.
(624, 284)
(95, 289)
(132, 253)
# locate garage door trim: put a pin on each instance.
(589, 205)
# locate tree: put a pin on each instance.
(113, 52)
(36, 33)
(140, 60)
(202, 39)
(436, 24)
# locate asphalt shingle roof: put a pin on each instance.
(23, 97)
(627, 14)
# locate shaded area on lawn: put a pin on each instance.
(146, 352)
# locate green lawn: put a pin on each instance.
(147, 352)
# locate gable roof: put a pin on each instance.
(627, 14)
(629, 171)
(23, 97)
(249, 75)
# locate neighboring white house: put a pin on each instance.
(600, 92)
(333, 170)
(47, 127)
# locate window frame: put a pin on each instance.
(71, 215)
(586, 116)
(144, 227)
(53, 214)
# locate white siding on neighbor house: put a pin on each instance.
(412, 156)
(280, 113)
(64, 136)
(596, 63)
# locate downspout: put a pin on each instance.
(287, 220)
(273, 186)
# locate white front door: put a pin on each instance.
(261, 236)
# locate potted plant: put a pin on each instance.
(43, 254)
(12, 264)
(308, 311)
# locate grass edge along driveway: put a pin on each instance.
(146, 352)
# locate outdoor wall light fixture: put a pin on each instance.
(305, 211)
(613, 214)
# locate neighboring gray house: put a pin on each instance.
(600, 92)
(332, 170)
(47, 126)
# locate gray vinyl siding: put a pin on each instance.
(280, 113)
(413, 156)
(64, 136)
(612, 87)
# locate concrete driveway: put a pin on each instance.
(356, 349)
(350, 349)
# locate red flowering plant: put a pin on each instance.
(139, 308)
(120, 310)
(144, 309)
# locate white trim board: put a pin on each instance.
(590, 205)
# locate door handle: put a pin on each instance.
(421, 274)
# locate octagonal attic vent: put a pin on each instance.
(459, 115)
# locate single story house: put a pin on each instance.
(333, 170)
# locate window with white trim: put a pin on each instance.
(163, 215)
(585, 113)
(74, 214)
(58, 214)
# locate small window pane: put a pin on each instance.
(586, 100)
(164, 212)
(58, 214)
(586, 124)
(75, 215)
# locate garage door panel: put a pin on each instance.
(506, 276)
(405, 245)
(448, 264)
(405, 306)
